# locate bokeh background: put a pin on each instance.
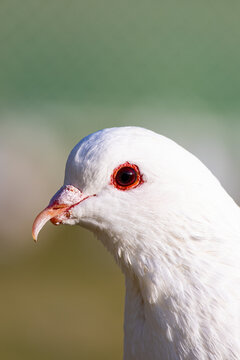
(68, 68)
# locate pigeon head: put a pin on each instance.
(128, 185)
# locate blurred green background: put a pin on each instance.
(68, 68)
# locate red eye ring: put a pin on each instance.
(126, 176)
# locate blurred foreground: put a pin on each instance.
(54, 305)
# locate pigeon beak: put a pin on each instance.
(58, 209)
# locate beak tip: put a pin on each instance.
(35, 239)
(34, 235)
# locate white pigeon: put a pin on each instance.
(173, 230)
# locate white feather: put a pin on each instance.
(176, 238)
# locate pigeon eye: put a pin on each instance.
(126, 176)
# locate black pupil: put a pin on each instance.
(126, 176)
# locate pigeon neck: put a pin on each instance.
(146, 331)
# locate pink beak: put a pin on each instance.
(58, 209)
